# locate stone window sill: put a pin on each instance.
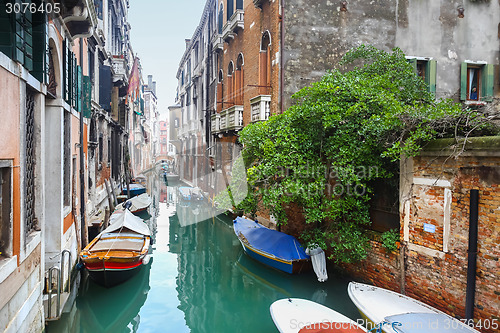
(7, 267)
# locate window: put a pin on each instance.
(220, 19)
(230, 83)
(476, 82)
(230, 9)
(239, 76)
(426, 68)
(265, 64)
(5, 208)
(67, 159)
(101, 148)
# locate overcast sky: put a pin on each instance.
(159, 28)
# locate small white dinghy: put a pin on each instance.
(294, 315)
(398, 313)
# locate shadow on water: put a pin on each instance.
(199, 281)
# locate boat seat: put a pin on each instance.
(118, 245)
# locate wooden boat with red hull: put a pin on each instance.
(119, 252)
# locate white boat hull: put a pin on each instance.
(377, 304)
(292, 314)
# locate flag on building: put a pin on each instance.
(134, 82)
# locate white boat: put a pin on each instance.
(138, 203)
(397, 313)
(294, 315)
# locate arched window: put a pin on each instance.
(230, 9)
(239, 77)
(220, 88)
(220, 18)
(265, 64)
(239, 4)
(230, 83)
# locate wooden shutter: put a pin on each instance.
(87, 97)
(79, 88)
(487, 76)
(28, 40)
(463, 81)
(413, 63)
(40, 48)
(7, 41)
(430, 77)
(74, 79)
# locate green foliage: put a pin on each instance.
(389, 239)
(343, 132)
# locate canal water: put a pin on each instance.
(199, 280)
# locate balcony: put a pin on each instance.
(79, 16)
(217, 42)
(119, 65)
(233, 25)
(215, 121)
(261, 107)
(228, 120)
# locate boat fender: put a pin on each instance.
(318, 261)
(146, 259)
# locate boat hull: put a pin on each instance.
(111, 273)
(287, 266)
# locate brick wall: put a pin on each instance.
(435, 192)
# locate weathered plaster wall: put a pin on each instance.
(317, 34)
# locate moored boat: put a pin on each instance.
(397, 313)
(117, 253)
(137, 204)
(271, 247)
(188, 193)
(295, 315)
(135, 189)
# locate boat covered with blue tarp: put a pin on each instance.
(271, 247)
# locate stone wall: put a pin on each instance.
(434, 200)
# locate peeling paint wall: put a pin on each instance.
(317, 35)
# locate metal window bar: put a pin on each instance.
(30, 164)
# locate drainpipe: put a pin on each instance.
(282, 51)
(84, 232)
(472, 255)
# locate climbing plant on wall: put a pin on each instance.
(341, 134)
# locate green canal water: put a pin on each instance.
(199, 280)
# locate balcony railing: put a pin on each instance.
(217, 42)
(228, 119)
(261, 107)
(233, 25)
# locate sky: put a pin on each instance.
(159, 28)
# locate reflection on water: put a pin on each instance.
(198, 281)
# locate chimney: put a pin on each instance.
(187, 42)
(150, 81)
(154, 87)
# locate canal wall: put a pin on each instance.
(431, 264)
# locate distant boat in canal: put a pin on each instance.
(295, 315)
(188, 193)
(137, 204)
(271, 247)
(135, 189)
(407, 315)
(117, 253)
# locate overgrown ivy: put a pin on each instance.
(341, 134)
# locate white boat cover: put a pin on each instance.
(129, 221)
(139, 202)
(318, 261)
(427, 322)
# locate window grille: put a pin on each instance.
(29, 181)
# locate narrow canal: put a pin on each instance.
(199, 280)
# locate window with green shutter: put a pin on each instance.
(476, 82)
(426, 68)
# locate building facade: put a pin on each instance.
(261, 52)
(63, 79)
